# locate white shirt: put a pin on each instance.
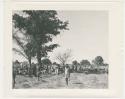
(67, 74)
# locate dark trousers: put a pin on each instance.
(66, 81)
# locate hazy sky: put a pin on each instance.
(87, 36)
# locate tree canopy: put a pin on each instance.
(98, 60)
(85, 62)
(75, 62)
(40, 26)
(46, 61)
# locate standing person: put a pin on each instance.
(57, 70)
(67, 74)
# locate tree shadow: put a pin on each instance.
(44, 81)
(78, 83)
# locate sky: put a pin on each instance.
(87, 36)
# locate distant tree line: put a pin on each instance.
(96, 66)
(84, 66)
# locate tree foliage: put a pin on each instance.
(41, 27)
(75, 62)
(98, 60)
(26, 50)
(85, 63)
(46, 61)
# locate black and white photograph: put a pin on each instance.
(60, 49)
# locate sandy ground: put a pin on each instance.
(77, 80)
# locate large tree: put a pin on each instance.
(75, 62)
(98, 61)
(41, 27)
(85, 63)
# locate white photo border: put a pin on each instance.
(115, 55)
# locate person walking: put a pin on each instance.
(67, 74)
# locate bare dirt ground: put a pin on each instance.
(77, 80)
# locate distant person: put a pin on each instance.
(67, 74)
(57, 70)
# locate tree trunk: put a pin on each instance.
(39, 58)
(30, 62)
(14, 79)
(30, 71)
(47, 69)
(39, 63)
